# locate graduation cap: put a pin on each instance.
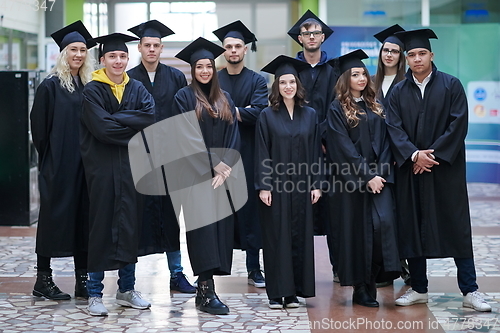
(200, 49)
(75, 32)
(237, 30)
(113, 42)
(294, 32)
(153, 28)
(387, 35)
(416, 38)
(349, 60)
(283, 64)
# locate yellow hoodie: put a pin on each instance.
(117, 89)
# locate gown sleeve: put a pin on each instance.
(116, 128)
(257, 104)
(41, 117)
(263, 160)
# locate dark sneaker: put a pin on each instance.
(276, 303)
(291, 302)
(181, 284)
(255, 278)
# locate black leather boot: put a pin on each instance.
(208, 300)
(362, 297)
(81, 278)
(45, 287)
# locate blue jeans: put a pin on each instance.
(252, 261)
(466, 274)
(174, 262)
(126, 281)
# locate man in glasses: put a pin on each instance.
(319, 80)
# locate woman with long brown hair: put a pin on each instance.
(361, 198)
(210, 246)
(287, 147)
(391, 65)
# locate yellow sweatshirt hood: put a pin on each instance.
(117, 89)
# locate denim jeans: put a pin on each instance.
(252, 261)
(174, 262)
(126, 281)
(466, 274)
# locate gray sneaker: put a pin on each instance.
(132, 298)
(96, 308)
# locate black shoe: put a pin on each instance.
(208, 300)
(180, 283)
(81, 278)
(291, 302)
(256, 279)
(362, 296)
(45, 287)
(276, 303)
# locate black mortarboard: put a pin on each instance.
(283, 64)
(237, 30)
(113, 42)
(151, 28)
(416, 38)
(387, 35)
(75, 32)
(200, 49)
(294, 32)
(349, 60)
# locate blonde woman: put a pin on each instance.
(55, 120)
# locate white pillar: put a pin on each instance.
(426, 13)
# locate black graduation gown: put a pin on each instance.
(384, 99)
(160, 229)
(115, 210)
(359, 154)
(433, 207)
(287, 225)
(63, 219)
(211, 247)
(247, 88)
(319, 82)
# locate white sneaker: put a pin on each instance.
(411, 297)
(475, 301)
(96, 308)
(132, 298)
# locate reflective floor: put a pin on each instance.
(331, 310)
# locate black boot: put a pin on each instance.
(208, 300)
(81, 278)
(45, 287)
(361, 296)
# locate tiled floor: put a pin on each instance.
(331, 310)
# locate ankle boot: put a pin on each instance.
(45, 287)
(362, 297)
(208, 300)
(81, 278)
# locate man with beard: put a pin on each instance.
(160, 229)
(319, 80)
(248, 91)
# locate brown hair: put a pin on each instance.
(275, 97)
(217, 104)
(310, 22)
(346, 99)
(380, 74)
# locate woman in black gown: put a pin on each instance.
(210, 246)
(287, 145)
(361, 198)
(55, 121)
